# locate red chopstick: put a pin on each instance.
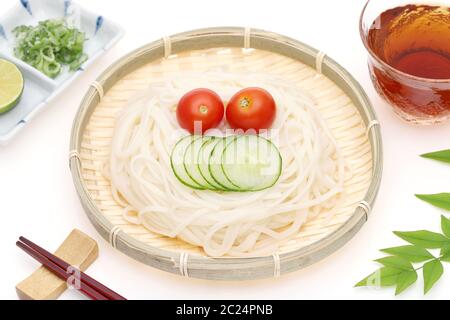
(84, 278)
(61, 273)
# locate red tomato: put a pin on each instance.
(251, 108)
(200, 110)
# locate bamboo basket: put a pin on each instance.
(340, 99)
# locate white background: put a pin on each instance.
(38, 200)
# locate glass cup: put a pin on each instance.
(418, 91)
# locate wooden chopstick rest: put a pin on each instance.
(78, 249)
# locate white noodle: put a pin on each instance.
(224, 224)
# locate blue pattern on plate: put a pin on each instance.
(21, 122)
(99, 23)
(67, 4)
(2, 32)
(27, 6)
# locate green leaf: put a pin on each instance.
(405, 280)
(384, 277)
(396, 262)
(440, 200)
(445, 255)
(443, 156)
(432, 272)
(411, 253)
(425, 239)
(445, 225)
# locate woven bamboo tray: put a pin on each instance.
(340, 99)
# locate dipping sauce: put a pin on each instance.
(415, 40)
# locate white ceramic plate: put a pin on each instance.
(39, 90)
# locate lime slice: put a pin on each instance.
(11, 85)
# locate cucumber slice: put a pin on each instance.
(204, 155)
(177, 163)
(191, 162)
(252, 163)
(215, 165)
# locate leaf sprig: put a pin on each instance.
(399, 267)
(443, 156)
(440, 200)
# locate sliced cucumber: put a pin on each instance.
(191, 162)
(238, 163)
(203, 156)
(177, 163)
(252, 163)
(215, 165)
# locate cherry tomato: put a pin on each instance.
(200, 110)
(251, 108)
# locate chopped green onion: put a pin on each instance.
(50, 45)
(47, 54)
(77, 64)
(52, 69)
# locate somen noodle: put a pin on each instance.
(224, 223)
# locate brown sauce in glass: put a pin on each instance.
(415, 40)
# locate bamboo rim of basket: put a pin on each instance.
(205, 267)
